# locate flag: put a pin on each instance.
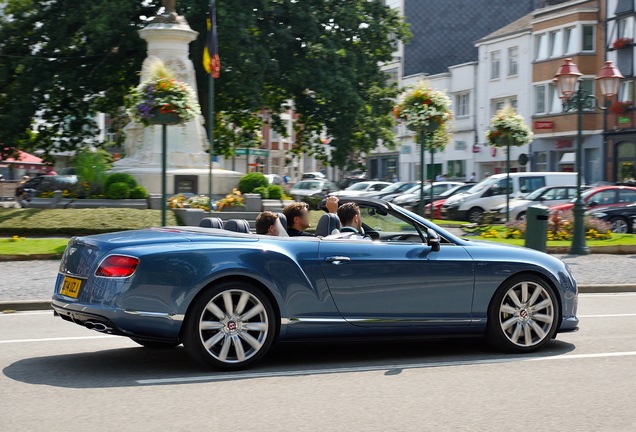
(211, 61)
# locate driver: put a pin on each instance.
(349, 215)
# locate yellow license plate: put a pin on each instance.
(71, 287)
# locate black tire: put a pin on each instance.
(156, 344)
(522, 320)
(620, 225)
(521, 216)
(230, 326)
(474, 214)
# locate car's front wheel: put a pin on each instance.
(619, 225)
(474, 214)
(230, 326)
(523, 315)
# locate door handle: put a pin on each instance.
(337, 260)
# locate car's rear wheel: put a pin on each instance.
(521, 216)
(230, 326)
(156, 344)
(523, 315)
(474, 214)
(619, 225)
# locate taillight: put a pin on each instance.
(117, 266)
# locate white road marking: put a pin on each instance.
(608, 315)
(57, 339)
(232, 376)
(25, 313)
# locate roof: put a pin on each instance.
(23, 160)
(519, 26)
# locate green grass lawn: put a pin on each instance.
(32, 246)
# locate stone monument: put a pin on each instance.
(168, 37)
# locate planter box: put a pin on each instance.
(141, 204)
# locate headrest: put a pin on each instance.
(238, 225)
(211, 222)
(283, 220)
(327, 225)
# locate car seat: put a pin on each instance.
(283, 220)
(211, 222)
(327, 225)
(238, 225)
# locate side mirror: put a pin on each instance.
(433, 240)
(593, 204)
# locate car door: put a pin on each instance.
(398, 280)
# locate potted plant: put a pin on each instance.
(423, 109)
(162, 99)
(508, 128)
(622, 42)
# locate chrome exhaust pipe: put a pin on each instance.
(98, 327)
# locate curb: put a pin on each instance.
(32, 305)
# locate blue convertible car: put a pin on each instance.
(228, 296)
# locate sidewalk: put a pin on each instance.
(28, 285)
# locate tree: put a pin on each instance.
(62, 61)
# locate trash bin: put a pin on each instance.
(537, 227)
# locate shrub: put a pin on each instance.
(263, 191)
(251, 181)
(120, 178)
(275, 192)
(118, 191)
(138, 192)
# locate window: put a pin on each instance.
(626, 91)
(513, 61)
(541, 47)
(540, 161)
(497, 104)
(556, 105)
(556, 43)
(462, 104)
(539, 99)
(588, 37)
(569, 40)
(625, 28)
(495, 61)
(529, 184)
(588, 88)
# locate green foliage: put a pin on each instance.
(120, 178)
(118, 191)
(90, 168)
(32, 222)
(263, 191)
(74, 59)
(251, 181)
(138, 192)
(275, 192)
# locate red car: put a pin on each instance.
(602, 196)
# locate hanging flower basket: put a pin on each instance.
(622, 42)
(423, 109)
(507, 128)
(621, 107)
(161, 99)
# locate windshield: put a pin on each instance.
(358, 186)
(311, 185)
(398, 187)
(454, 190)
(416, 189)
(535, 195)
(484, 184)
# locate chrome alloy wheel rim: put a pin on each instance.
(233, 326)
(619, 226)
(526, 314)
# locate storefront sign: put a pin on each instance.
(460, 145)
(566, 143)
(543, 124)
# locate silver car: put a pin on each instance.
(548, 196)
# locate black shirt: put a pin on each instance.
(295, 233)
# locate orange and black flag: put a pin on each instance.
(211, 61)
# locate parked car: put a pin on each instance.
(314, 175)
(275, 179)
(622, 218)
(492, 191)
(547, 196)
(49, 183)
(438, 203)
(229, 296)
(390, 192)
(362, 188)
(348, 181)
(312, 191)
(411, 198)
(602, 196)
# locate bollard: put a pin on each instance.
(537, 227)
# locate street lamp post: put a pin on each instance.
(567, 78)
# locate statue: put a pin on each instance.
(169, 12)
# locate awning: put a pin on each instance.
(23, 161)
(568, 158)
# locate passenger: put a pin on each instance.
(349, 214)
(266, 223)
(297, 215)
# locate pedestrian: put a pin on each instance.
(472, 178)
(21, 194)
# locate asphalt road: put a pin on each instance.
(59, 376)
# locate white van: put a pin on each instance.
(489, 193)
